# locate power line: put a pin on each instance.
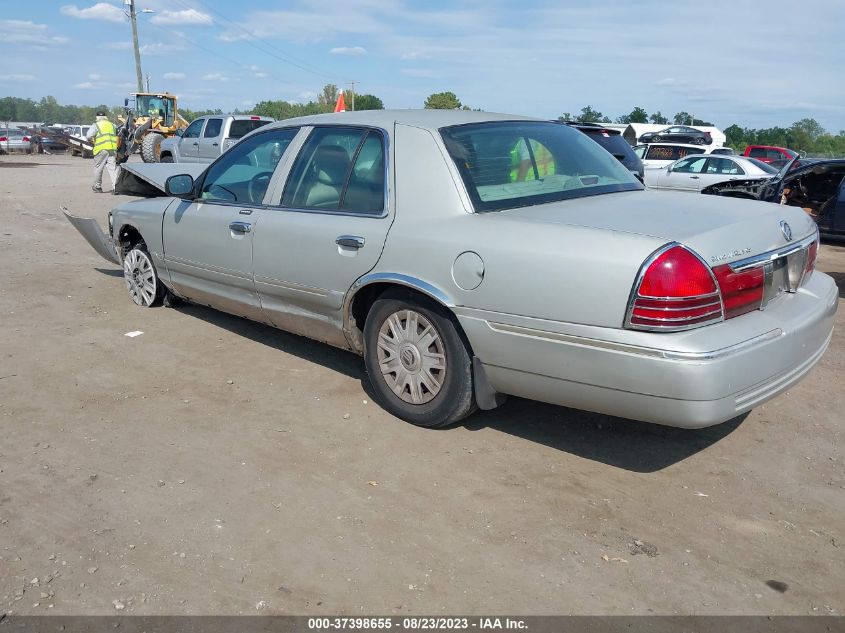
(272, 52)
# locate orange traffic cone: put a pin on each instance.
(340, 106)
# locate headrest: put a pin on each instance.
(331, 163)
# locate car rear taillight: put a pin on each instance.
(255, 118)
(26, 139)
(3, 139)
(675, 290)
(812, 253)
(741, 291)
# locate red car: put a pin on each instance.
(768, 153)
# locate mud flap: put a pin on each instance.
(91, 231)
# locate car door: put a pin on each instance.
(189, 142)
(326, 229)
(719, 169)
(683, 175)
(209, 142)
(208, 240)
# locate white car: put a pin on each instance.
(693, 173)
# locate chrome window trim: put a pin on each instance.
(634, 295)
(385, 136)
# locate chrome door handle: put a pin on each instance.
(245, 212)
(214, 144)
(194, 144)
(693, 177)
(350, 241)
(240, 227)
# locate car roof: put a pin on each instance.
(426, 119)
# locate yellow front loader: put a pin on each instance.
(149, 119)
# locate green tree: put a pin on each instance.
(637, 115)
(367, 102)
(566, 116)
(588, 114)
(735, 137)
(328, 97)
(443, 101)
(682, 118)
(658, 118)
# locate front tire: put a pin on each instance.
(142, 282)
(418, 364)
(151, 147)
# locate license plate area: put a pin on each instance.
(784, 274)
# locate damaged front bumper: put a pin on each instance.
(94, 235)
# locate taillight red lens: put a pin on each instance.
(3, 139)
(26, 139)
(677, 290)
(812, 253)
(741, 291)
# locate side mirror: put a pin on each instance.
(179, 186)
(180, 132)
(668, 169)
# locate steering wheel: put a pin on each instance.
(257, 186)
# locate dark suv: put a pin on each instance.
(614, 143)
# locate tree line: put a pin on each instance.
(806, 135)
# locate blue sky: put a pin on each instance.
(754, 63)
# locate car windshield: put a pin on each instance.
(764, 166)
(513, 164)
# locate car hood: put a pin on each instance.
(717, 228)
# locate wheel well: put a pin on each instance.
(368, 295)
(129, 237)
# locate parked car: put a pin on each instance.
(769, 153)
(613, 142)
(662, 154)
(467, 255)
(678, 134)
(79, 132)
(692, 173)
(817, 186)
(209, 136)
(727, 151)
(13, 140)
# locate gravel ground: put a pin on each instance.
(216, 466)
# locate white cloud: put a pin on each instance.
(188, 16)
(174, 76)
(352, 51)
(257, 72)
(17, 78)
(118, 46)
(95, 77)
(160, 48)
(215, 77)
(98, 84)
(86, 85)
(100, 11)
(27, 32)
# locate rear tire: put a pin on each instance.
(151, 147)
(142, 282)
(418, 364)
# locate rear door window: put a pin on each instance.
(723, 166)
(338, 169)
(212, 128)
(690, 165)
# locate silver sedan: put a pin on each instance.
(692, 173)
(468, 255)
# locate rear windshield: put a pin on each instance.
(764, 166)
(670, 152)
(242, 127)
(512, 164)
(613, 143)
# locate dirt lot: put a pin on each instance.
(212, 465)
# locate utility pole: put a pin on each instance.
(353, 96)
(134, 21)
(148, 83)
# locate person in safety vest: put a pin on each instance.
(104, 136)
(525, 159)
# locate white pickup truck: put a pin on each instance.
(209, 136)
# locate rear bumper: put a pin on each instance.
(691, 379)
